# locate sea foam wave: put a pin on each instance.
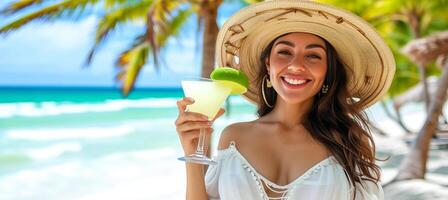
(49, 108)
(53, 151)
(69, 133)
(28, 109)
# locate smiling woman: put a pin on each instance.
(311, 140)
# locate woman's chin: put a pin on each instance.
(296, 98)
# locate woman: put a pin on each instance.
(312, 68)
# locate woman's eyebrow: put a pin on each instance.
(310, 46)
(285, 43)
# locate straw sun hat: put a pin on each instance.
(360, 48)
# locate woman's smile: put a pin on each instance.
(295, 82)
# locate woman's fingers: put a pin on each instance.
(190, 116)
(220, 112)
(192, 135)
(187, 116)
(182, 104)
(188, 126)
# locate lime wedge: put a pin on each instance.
(232, 78)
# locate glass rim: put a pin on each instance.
(196, 79)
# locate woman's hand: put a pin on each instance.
(188, 125)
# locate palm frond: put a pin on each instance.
(129, 64)
(174, 26)
(150, 36)
(18, 6)
(123, 58)
(163, 9)
(67, 8)
(132, 60)
(113, 18)
(111, 4)
(160, 26)
(158, 22)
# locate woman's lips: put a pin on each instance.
(294, 83)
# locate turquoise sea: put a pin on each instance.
(90, 143)
(77, 142)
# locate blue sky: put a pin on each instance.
(52, 54)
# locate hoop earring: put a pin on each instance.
(269, 85)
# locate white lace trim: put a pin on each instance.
(284, 190)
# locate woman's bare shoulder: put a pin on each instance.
(235, 132)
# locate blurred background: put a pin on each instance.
(88, 93)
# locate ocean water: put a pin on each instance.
(90, 143)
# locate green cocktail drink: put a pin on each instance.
(209, 95)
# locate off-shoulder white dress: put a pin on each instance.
(233, 178)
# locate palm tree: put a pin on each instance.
(423, 51)
(163, 19)
(417, 16)
(400, 21)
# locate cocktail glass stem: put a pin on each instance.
(201, 142)
(199, 156)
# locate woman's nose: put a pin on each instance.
(296, 66)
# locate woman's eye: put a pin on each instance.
(314, 56)
(284, 53)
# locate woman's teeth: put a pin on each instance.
(294, 81)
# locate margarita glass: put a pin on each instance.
(208, 97)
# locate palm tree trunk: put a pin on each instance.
(414, 164)
(414, 20)
(209, 10)
(422, 70)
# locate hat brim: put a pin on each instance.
(361, 49)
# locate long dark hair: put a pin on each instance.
(334, 120)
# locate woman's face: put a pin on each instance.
(297, 65)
